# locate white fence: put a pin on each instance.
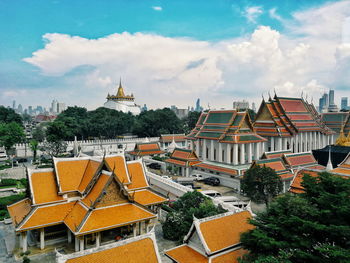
(23, 150)
(167, 187)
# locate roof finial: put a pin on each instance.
(329, 163)
(269, 95)
(302, 92)
(262, 95)
(120, 81)
(274, 89)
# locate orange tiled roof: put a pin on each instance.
(146, 197)
(143, 153)
(44, 216)
(96, 190)
(75, 216)
(44, 187)
(300, 159)
(296, 186)
(217, 168)
(177, 162)
(70, 173)
(120, 167)
(185, 254)
(223, 232)
(89, 173)
(341, 170)
(19, 210)
(229, 257)
(137, 175)
(144, 250)
(148, 146)
(170, 137)
(114, 216)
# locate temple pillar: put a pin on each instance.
(76, 241)
(42, 238)
(257, 153)
(220, 153)
(146, 226)
(24, 241)
(211, 150)
(204, 150)
(69, 236)
(197, 147)
(319, 140)
(285, 143)
(272, 144)
(134, 230)
(250, 153)
(296, 143)
(228, 153)
(242, 157)
(279, 140)
(235, 154)
(98, 239)
(81, 243)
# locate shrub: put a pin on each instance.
(6, 182)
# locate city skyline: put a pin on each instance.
(166, 55)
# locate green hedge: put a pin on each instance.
(5, 182)
(8, 200)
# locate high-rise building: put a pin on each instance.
(14, 104)
(54, 106)
(61, 107)
(332, 107)
(241, 105)
(198, 108)
(344, 103)
(20, 109)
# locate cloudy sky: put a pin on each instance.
(171, 52)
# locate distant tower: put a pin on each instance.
(344, 103)
(329, 163)
(14, 104)
(332, 107)
(325, 102)
(198, 105)
(20, 108)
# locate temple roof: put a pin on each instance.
(228, 126)
(171, 137)
(183, 157)
(120, 96)
(276, 164)
(285, 117)
(295, 160)
(137, 249)
(149, 148)
(335, 120)
(219, 237)
(104, 194)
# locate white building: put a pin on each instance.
(122, 102)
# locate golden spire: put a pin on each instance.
(120, 92)
(341, 141)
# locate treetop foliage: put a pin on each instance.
(191, 204)
(9, 115)
(311, 227)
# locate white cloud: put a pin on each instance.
(252, 13)
(162, 71)
(273, 14)
(157, 8)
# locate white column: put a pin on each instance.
(279, 143)
(242, 154)
(257, 151)
(69, 234)
(81, 245)
(235, 154)
(228, 153)
(319, 143)
(146, 226)
(250, 153)
(296, 143)
(24, 241)
(134, 230)
(301, 149)
(76, 244)
(211, 150)
(220, 152)
(204, 150)
(285, 143)
(98, 239)
(272, 144)
(42, 238)
(197, 147)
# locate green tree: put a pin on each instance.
(179, 221)
(261, 184)
(10, 134)
(75, 119)
(190, 120)
(55, 134)
(9, 115)
(312, 227)
(38, 133)
(153, 123)
(34, 146)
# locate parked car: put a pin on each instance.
(166, 177)
(211, 193)
(155, 166)
(212, 181)
(197, 177)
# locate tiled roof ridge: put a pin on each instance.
(61, 258)
(287, 118)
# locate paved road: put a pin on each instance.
(4, 235)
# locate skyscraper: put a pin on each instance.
(198, 108)
(14, 105)
(344, 103)
(331, 106)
